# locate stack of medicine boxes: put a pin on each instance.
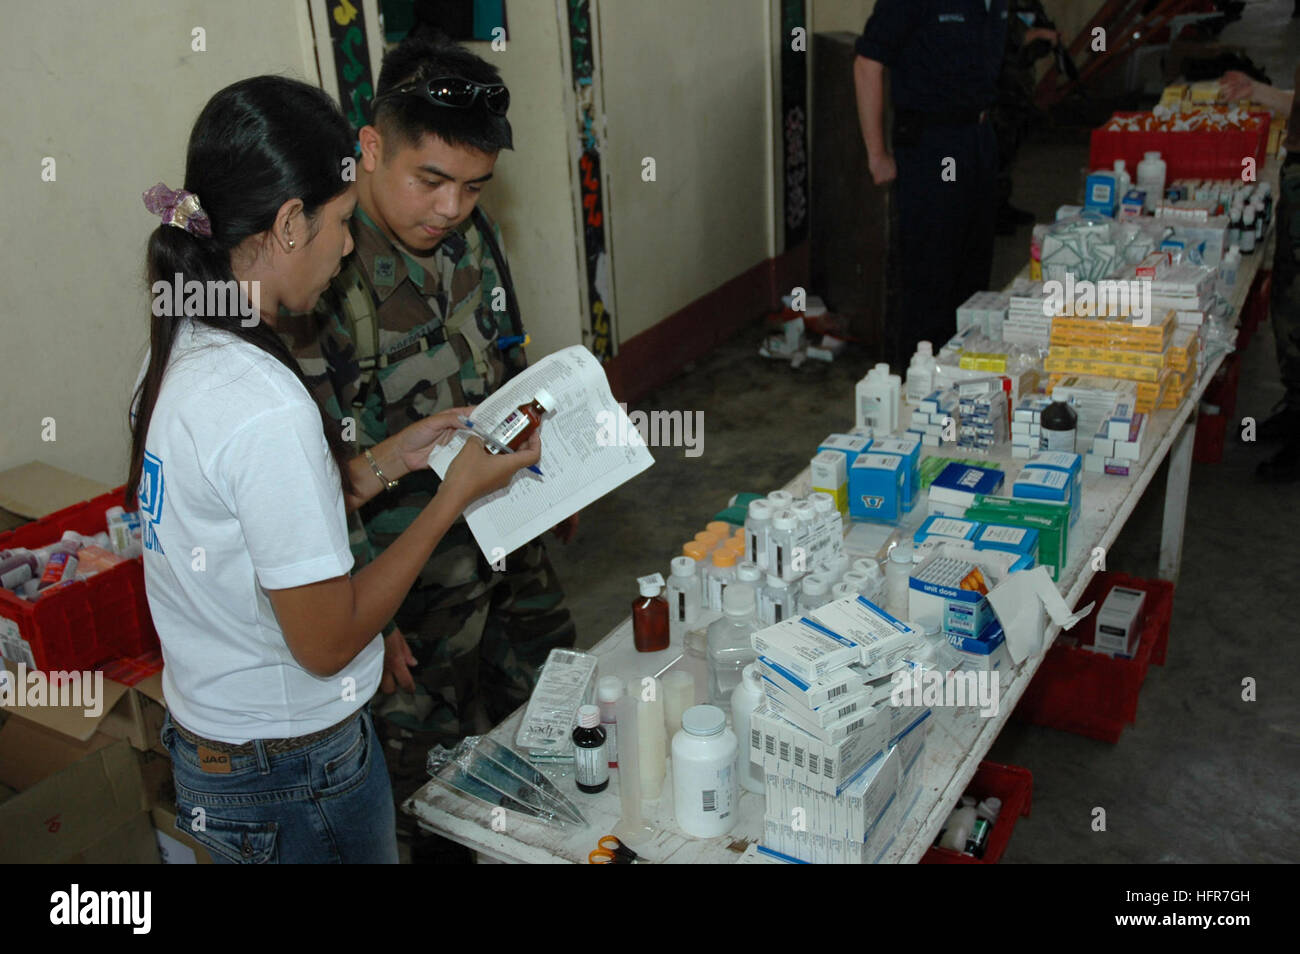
(885, 482)
(1026, 434)
(1055, 476)
(1117, 446)
(939, 411)
(842, 765)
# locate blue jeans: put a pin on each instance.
(328, 802)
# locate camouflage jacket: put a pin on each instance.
(451, 291)
(1017, 81)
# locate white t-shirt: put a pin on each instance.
(236, 464)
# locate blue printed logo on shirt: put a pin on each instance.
(150, 496)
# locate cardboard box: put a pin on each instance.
(878, 487)
(34, 490)
(134, 714)
(76, 801)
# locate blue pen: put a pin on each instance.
(509, 342)
(492, 443)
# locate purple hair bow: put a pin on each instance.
(179, 208)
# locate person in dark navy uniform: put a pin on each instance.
(943, 58)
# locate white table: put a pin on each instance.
(958, 740)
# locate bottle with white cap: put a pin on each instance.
(782, 539)
(758, 519)
(609, 690)
(683, 597)
(898, 576)
(780, 500)
(775, 601)
(814, 591)
(844, 591)
(729, 647)
(747, 697)
(704, 773)
(520, 423)
(747, 572)
(920, 373)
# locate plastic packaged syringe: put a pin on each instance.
(566, 682)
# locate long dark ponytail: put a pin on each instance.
(257, 144)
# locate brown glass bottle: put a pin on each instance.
(650, 620)
(520, 423)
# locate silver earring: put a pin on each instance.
(292, 244)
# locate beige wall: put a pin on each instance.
(109, 90)
(687, 84)
(530, 194)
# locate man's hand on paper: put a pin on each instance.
(416, 442)
(476, 473)
(398, 660)
(567, 528)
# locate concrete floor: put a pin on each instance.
(1202, 776)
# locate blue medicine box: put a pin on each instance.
(909, 448)
(877, 487)
(957, 486)
(1100, 194)
(1066, 463)
(937, 525)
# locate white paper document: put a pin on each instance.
(1019, 602)
(581, 457)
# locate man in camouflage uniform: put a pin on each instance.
(1026, 45)
(434, 310)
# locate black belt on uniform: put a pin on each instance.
(952, 117)
(273, 746)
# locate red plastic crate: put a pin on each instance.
(1011, 783)
(1076, 690)
(88, 622)
(1187, 155)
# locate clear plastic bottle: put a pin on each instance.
(1123, 181)
(704, 773)
(708, 539)
(720, 574)
(814, 591)
(775, 601)
(729, 647)
(609, 690)
(697, 552)
(844, 591)
(1229, 267)
(744, 700)
(683, 597)
(920, 373)
(1258, 205)
(1248, 231)
(780, 500)
(781, 540)
(898, 576)
(747, 572)
(1151, 179)
(1234, 226)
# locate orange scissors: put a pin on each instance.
(611, 851)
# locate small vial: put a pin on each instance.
(683, 596)
(520, 423)
(650, 617)
(708, 539)
(774, 603)
(697, 552)
(591, 764)
(822, 502)
(898, 576)
(815, 591)
(1248, 231)
(805, 511)
(609, 690)
(719, 574)
(858, 580)
(781, 544)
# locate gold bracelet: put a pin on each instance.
(388, 484)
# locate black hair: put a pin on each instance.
(257, 144)
(409, 117)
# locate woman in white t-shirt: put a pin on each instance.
(271, 648)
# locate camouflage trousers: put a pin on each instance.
(1286, 286)
(477, 660)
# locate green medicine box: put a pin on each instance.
(1051, 520)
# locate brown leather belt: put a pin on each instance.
(273, 746)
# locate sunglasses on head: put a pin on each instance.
(458, 93)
